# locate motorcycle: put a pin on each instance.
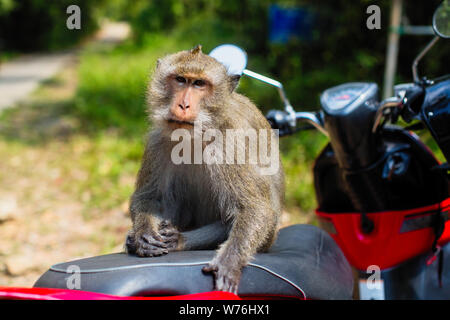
(383, 207)
(382, 195)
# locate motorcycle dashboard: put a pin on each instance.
(340, 97)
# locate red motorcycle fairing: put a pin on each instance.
(398, 235)
(13, 293)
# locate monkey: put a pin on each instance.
(229, 207)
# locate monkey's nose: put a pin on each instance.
(183, 106)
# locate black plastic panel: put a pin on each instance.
(436, 114)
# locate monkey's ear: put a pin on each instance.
(234, 81)
(158, 63)
(197, 49)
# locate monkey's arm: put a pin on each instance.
(253, 230)
(206, 237)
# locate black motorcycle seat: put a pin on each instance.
(304, 262)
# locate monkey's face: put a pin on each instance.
(187, 87)
(188, 92)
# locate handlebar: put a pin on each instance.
(314, 118)
(281, 120)
(403, 104)
(286, 121)
(393, 102)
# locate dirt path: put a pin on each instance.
(21, 76)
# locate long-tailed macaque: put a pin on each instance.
(192, 204)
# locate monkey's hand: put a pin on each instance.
(170, 235)
(145, 244)
(226, 274)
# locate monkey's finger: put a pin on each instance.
(148, 246)
(230, 286)
(172, 246)
(131, 237)
(165, 224)
(158, 244)
(170, 239)
(210, 268)
(130, 248)
(168, 232)
(226, 283)
(151, 252)
(156, 241)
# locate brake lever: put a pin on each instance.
(395, 103)
(313, 118)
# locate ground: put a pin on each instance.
(43, 218)
(46, 211)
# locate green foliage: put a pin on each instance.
(111, 91)
(298, 154)
(30, 25)
(6, 6)
(111, 162)
(112, 86)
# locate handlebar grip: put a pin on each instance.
(414, 99)
(279, 120)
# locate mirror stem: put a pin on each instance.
(420, 56)
(287, 105)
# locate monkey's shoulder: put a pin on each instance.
(247, 111)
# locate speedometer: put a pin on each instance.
(344, 95)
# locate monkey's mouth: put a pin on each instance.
(180, 123)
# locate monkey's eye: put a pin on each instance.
(180, 79)
(199, 83)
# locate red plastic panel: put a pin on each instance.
(386, 246)
(66, 294)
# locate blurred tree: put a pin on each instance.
(29, 25)
(6, 6)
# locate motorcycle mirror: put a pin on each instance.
(441, 20)
(232, 57)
